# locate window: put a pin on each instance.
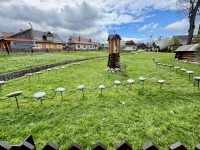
(90, 46)
(49, 38)
(84, 46)
(54, 45)
(78, 46)
(43, 45)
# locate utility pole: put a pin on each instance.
(150, 43)
(150, 39)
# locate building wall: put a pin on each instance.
(72, 46)
(24, 35)
(50, 45)
(188, 55)
(2, 44)
(84, 46)
(156, 49)
(130, 48)
(81, 46)
(21, 45)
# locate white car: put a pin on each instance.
(35, 48)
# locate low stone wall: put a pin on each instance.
(20, 73)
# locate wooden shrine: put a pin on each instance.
(114, 51)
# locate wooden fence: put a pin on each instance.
(28, 144)
(4, 51)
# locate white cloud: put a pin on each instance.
(88, 18)
(136, 40)
(151, 32)
(155, 26)
(148, 26)
(143, 28)
(177, 26)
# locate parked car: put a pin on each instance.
(35, 48)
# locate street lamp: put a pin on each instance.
(30, 25)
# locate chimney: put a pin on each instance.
(79, 38)
(20, 30)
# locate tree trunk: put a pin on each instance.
(191, 29)
(192, 16)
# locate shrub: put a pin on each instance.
(100, 47)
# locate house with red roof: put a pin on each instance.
(6, 41)
(5, 34)
(79, 43)
(47, 41)
(24, 40)
(132, 46)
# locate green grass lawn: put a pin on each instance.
(138, 115)
(14, 62)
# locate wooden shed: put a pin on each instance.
(186, 52)
(114, 51)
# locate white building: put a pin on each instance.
(130, 46)
(78, 43)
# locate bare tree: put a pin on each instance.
(189, 8)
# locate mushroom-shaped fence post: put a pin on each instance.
(130, 81)
(161, 82)
(81, 87)
(101, 87)
(117, 83)
(60, 90)
(48, 70)
(39, 96)
(142, 80)
(15, 94)
(29, 75)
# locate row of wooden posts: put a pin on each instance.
(28, 144)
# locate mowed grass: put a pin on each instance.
(14, 62)
(163, 116)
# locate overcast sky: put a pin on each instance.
(132, 19)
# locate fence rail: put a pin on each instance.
(17, 50)
(28, 50)
(28, 144)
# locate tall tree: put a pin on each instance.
(189, 8)
(175, 42)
